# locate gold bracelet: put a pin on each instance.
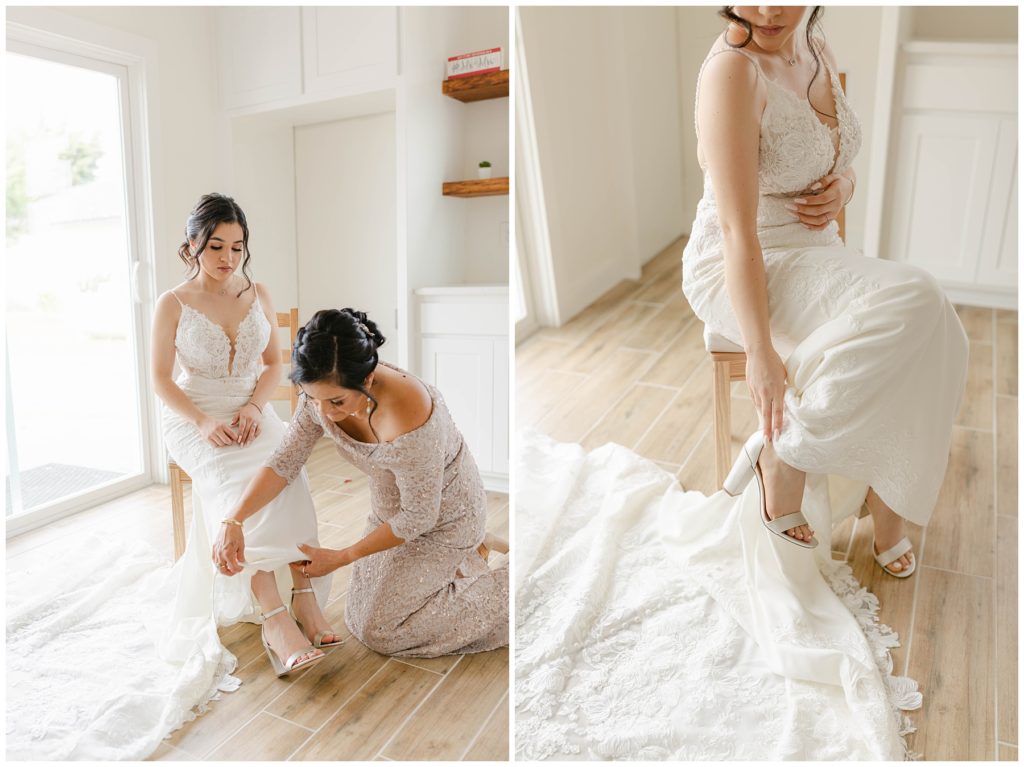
(229, 521)
(250, 402)
(852, 191)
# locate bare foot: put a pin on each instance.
(889, 529)
(784, 490)
(308, 613)
(285, 638)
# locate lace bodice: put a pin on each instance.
(796, 150)
(204, 348)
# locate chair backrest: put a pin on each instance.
(289, 391)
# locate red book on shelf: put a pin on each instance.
(475, 63)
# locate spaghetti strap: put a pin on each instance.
(176, 297)
(696, 98)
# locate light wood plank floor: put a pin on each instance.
(355, 704)
(631, 368)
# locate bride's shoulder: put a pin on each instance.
(727, 67)
(169, 303)
(261, 291)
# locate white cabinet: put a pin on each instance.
(954, 173)
(464, 353)
(276, 57)
(346, 49)
(260, 55)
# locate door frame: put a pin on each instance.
(56, 37)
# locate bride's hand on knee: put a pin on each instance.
(766, 379)
(320, 561)
(216, 432)
(247, 421)
(229, 549)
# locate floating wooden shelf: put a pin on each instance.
(492, 85)
(479, 187)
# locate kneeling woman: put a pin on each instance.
(420, 583)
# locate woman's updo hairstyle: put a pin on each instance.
(813, 24)
(338, 346)
(211, 210)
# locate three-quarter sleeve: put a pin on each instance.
(419, 480)
(298, 442)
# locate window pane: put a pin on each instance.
(72, 374)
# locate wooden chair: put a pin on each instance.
(728, 364)
(177, 474)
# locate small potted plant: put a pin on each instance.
(484, 170)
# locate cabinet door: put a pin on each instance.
(944, 172)
(260, 55)
(998, 264)
(501, 392)
(463, 369)
(348, 49)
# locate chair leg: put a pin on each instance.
(177, 510)
(723, 420)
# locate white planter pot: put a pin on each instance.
(484, 172)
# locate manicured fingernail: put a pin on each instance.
(800, 201)
(791, 207)
(816, 186)
(775, 436)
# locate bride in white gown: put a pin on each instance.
(126, 649)
(658, 623)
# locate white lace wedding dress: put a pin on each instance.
(124, 648)
(654, 623)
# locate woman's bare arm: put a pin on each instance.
(729, 118)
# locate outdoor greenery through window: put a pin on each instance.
(72, 381)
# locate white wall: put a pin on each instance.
(607, 127)
(264, 182)
(192, 131)
(345, 219)
(650, 39)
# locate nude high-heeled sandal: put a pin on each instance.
(743, 471)
(887, 557)
(318, 640)
(292, 664)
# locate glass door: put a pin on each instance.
(76, 426)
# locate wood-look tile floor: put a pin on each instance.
(631, 368)
(354, 704)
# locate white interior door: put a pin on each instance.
(345, 220)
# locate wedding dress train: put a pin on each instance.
(655, 623)
(123, 648)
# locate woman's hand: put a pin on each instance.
(229, 549)
(216, 432)
(247, 419)
(320, 561)
(818, 210)
(766, 378)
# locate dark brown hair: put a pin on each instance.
(337, 346)
(211, 210)
(813, 25)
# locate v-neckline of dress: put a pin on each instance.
(231, 341)
(807, 103)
